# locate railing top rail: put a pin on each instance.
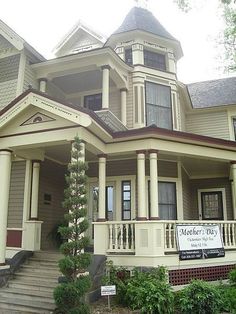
(182, 222)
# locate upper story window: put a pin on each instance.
(158, 105)
(234, 125)
(154, 60)
(93, 102)
(128, 56)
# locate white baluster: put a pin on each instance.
(121, 237)
(127, 226)
(116, 237)
(233, 234)
(110, 237)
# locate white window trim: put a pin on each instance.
(222, 190)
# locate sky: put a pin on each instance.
(43, 23)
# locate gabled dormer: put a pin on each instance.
(80, 38)
(141, 41)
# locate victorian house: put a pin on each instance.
(159, 152)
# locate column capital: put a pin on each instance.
(141, 151)
(102, 155)
(124, 89)
(151, 151)
(34, 161)
(105, 66)
(43, 79)
(5, 150)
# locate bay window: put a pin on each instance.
(158, 105)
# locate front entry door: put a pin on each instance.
(212, 205)
(93, 204)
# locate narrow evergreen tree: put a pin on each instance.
(69, 295)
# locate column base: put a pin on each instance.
(141, 218)
(34, 219)
(154, 218)
(101, 220)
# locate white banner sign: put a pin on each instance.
(199, 241)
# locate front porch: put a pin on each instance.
(153, 243)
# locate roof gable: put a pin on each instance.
(79, 38)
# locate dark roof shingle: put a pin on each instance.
(213, 93)
(142, 19)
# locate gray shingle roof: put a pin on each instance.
(213, 93)
(142, 19)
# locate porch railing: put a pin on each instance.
(227, 229)
(150, 237)
(121, 236)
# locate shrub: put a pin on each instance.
(199, 298)
(69, 295)
(228, 296)
(232, 277)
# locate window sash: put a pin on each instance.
(93, 102)
(155, 60)
(158, 105)
(129, 56)
(126, 200)
(212, 205)
(167, 201)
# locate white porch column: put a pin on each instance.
(43, 85)
(105, 86)
(102, 188)
(123, 96)
(142, 213)
(5, 171)
(35, 190)
(154, 212)
(233, 185)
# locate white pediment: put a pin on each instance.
(35, 112)
(9, 39)
(80, 38)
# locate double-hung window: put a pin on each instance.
(158, 105)
(128, 56)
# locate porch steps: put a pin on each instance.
(31, 288)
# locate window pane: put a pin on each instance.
(212, 205)
(167, 212)
(93, 102)
(167, 200)
(158, 105)
(126, 196)
(128, 56)
(126, 215)
(126, 205)
(154, 60)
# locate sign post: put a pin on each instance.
(107, 291)
(199, 241)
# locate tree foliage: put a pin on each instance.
(228, 8)
(69, 295)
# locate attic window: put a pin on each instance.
(154, 60)
(128, 56)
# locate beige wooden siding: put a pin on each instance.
(187, 206)
(182, 118)
(114, 103)
(211, 183)
(16, 198)
(4, 43)
(51, 182)
(8, 79)
(7, 92)
(29, 78)
(214, 124)
(129, 104)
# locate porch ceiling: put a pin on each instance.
(79, 82)
(197, 167)
(61, 154)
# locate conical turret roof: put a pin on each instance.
(142, 19)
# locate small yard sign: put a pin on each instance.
(199, 241)
(108, 290)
